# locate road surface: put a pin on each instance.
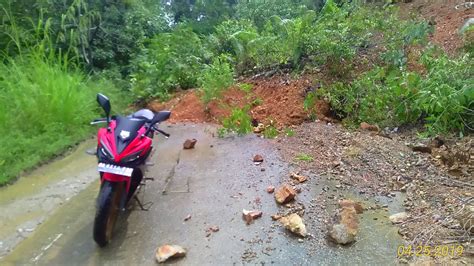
(212, 183)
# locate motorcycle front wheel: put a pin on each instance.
(108, 208)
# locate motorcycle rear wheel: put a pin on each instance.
(108, 208)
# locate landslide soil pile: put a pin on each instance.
(279, 99)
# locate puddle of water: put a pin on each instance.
(377, 240)
(37, 180)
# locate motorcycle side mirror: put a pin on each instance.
(160, 117)
(104, 103)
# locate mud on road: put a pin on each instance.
(213, 183)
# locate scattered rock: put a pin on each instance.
(214, 229)
(189, 144)
(368, 127)
(350, 203)
(259, 128)
(270, 189)
(345, 224)
(258, 159)
(299, 178)
(421, 148)
(187, 217)
(294, 223)
(249, 216)
(284, 194)
(436, 142)
(398, 217)
(341, 235)
(166, 252)
(276, 217)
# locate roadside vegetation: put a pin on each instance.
(56, 56)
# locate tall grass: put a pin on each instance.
(43, 110)
(46, 102)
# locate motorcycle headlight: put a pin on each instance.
(105, 150)
(132, 157)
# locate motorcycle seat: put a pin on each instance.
(144, 114)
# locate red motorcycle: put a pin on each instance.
(122, 150)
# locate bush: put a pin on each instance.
(215, 78)
(443, 98)
(44, 108)
(238, 122)
(446, 95)
(171, 61)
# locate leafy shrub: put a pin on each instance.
(215, 78)
(259, 11)
(238, 122)
(246, 87)
(172, 60)
(443, 98)
(308, 104)
(270, 132)
(446, 95)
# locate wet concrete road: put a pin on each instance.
(213, 183)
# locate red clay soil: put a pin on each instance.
(278, 100)
(446, 18)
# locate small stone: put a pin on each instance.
(421, 148)
(276, 217)
(300, 240)
(258, 158)
(270, 189)
(341, 235)
(294, 223)
(259, 128)
(299, 178)
(249, 216)
(187, 217)
(350, 203)
(166, 252)
(284, 194)
(398, 217)
(214, 229)
(368, 127)
(189, 144)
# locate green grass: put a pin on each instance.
(44, 109)
(289, 132)
(270, 132)
(239, 121)
(304, 157)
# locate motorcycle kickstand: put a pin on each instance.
(141, 205)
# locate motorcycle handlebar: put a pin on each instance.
(104, 120)
(98, 121)
(162, 132)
